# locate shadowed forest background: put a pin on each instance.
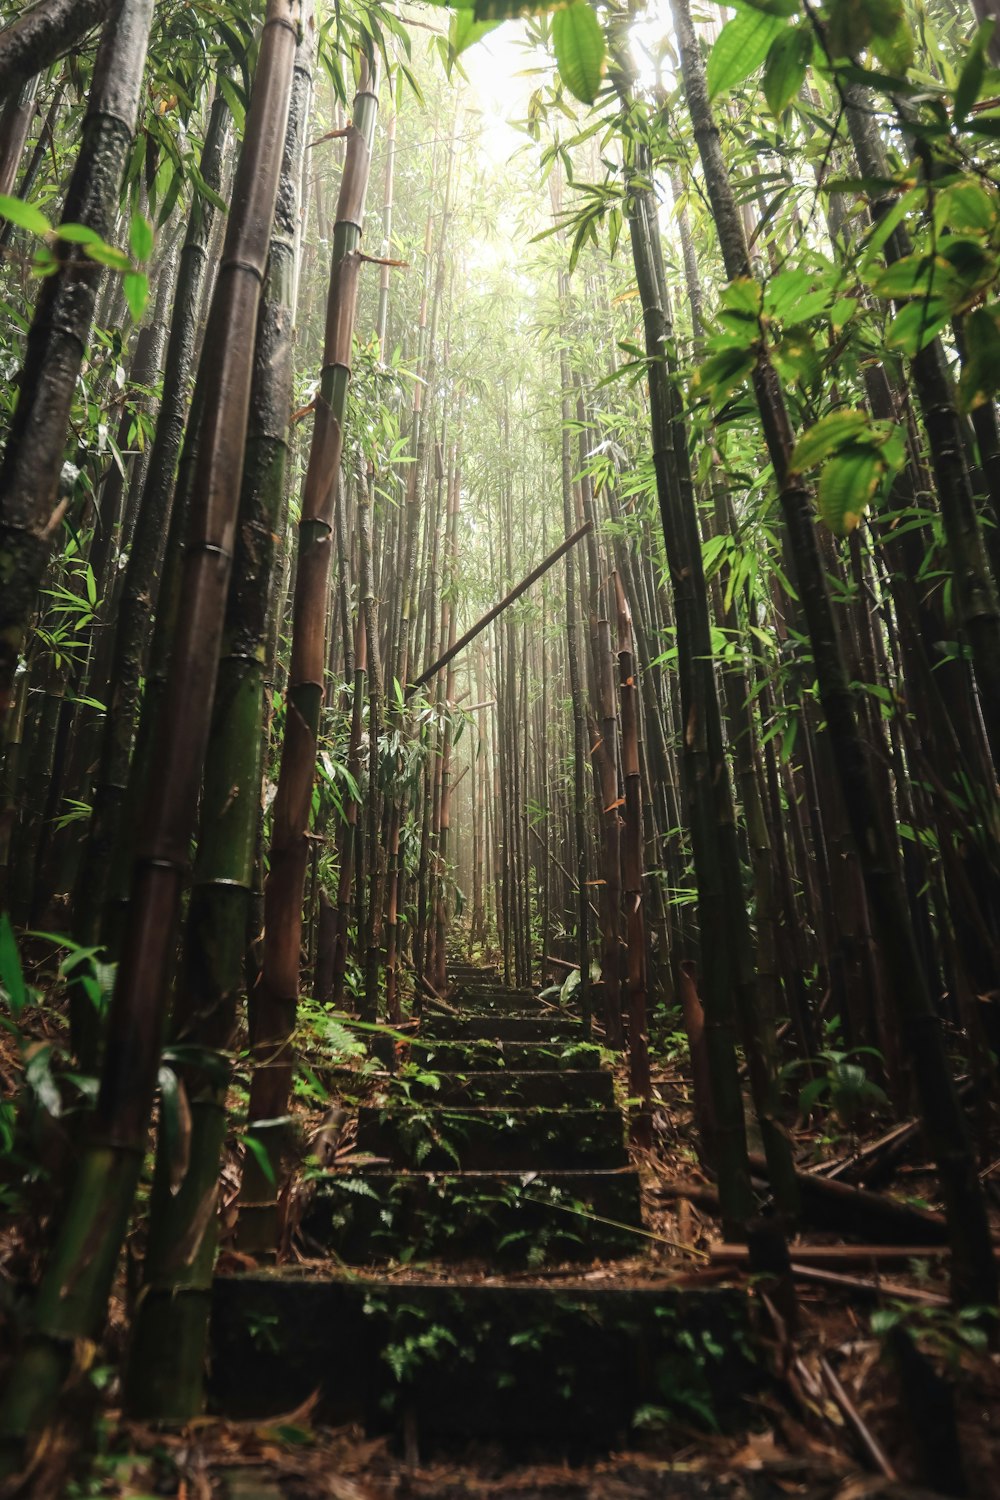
(499, 728)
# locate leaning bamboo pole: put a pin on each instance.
(278, 990)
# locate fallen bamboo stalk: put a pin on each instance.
(854, 1420)
(838, 1281)
(836, 1206)
(818, 1255)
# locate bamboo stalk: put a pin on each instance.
(283, 893)
(74, 1291)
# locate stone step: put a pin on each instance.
(550, 1090)
(484, 1056)
(494, 997)
(492, 1139)
(473, 974)
(573, 1362)
(375, 1214)
(500, 1028)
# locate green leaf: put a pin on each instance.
(258, 1151)
(907, 277)
(78, 234)
(234, 99)
(465, 31)
(895, 49)
(107, 255)
(917, 323)
(722, 372)
(24, 215)
(826, 436)
(785, 68)
(980, 377)
(775, 7)
(39, 1078)
(742, 46)
(140, 237)
(964, 205)
(846, 486)
(11, 973)
(136, 288)
(970, 80)
(578, 41)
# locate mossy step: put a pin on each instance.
(488, 1138)
(495, 995)
(500, 1028)
(483, 1056)
(553, 1364)
(549, 1090)
(373, 1215)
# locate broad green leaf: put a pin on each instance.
(907, 277)
(743, 297)
(11, 973)
(722, 372)
(970, 80)
(78, 234)
(24, 215)
(96, 248)
(964, 205)
(578, 41)
(895, 49)
(785, 67)
(136, 288)
(847, 485)
(826, 436)
(465, 30)
(980, 378)
(775, 7)
(742, 46)
(917, 323)
(140, 237)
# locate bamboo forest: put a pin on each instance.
(499, 746)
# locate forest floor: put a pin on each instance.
(845, 1410)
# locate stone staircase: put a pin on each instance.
(494, 1165)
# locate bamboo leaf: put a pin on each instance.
(826, 436)
(140, 237)
(136, 288)
(579, 47)
(465, 31)
(970, 79)
(847, 485)
(24, 215)
(742, 46)
(981, 361)
(785, 68)
(917, 323)
(11, 973)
